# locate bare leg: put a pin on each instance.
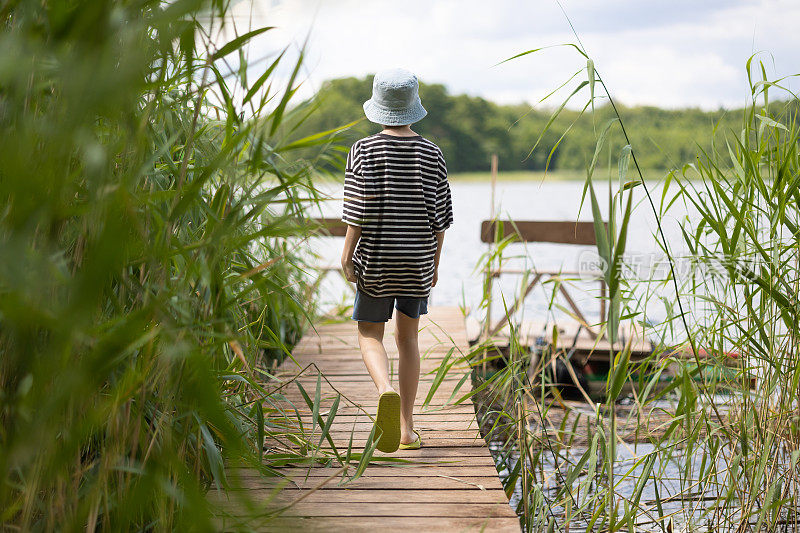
(370, 339)
(406, 337)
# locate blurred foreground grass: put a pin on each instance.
(149, 273)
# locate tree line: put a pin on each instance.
(469, 129)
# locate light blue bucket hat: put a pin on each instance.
(395, 99)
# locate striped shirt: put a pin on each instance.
(396, 189)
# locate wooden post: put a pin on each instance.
(494, 183)
(488, 277)
(602, 300)
(490, 264)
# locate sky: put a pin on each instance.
(676, 53)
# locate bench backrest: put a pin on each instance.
(557, 231)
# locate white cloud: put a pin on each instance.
(673, 54)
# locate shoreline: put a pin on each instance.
(549, 176)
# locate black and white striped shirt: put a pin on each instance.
(396, 189)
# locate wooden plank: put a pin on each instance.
(439, 510)
(346, 417)
(379, 495)
(318, 507)
(371, 524)
(361, 432)
(440, 454)
(384, 482)
(363, 424)
(302, 408)
(278, 440)
(429, 411)
(356, 380)
(445, 459)
(381, 470)
(446, 452)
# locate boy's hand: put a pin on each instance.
(435, 277)
(349, 271)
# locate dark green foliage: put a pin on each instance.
(469, 129)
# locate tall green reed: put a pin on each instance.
(729, 449)
(151, 272)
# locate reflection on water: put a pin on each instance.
(665, 496)
(684, 504)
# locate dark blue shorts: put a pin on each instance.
(371, 309)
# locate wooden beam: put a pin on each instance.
(577, 311)
(557, 231)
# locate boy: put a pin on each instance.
(397, 205)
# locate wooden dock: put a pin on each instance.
(450, 485)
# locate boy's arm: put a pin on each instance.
(350, 241)
(439, 245)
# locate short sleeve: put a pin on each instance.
(444, 202)
(354, 209)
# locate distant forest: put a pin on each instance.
(469, 129)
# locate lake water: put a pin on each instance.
(459, 284)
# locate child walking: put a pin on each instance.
(397, 205)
